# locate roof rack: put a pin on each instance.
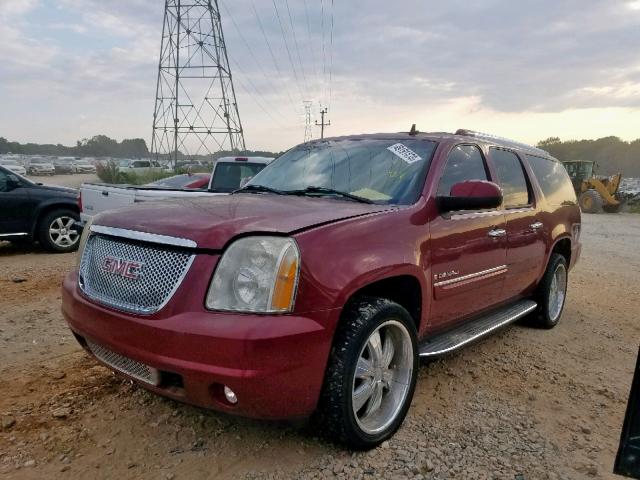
(496, 138)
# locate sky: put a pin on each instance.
(527, 70)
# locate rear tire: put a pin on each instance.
(591, 202)
(552, 293)
(55, 233)
(371, 374)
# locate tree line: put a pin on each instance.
(103, 146)
(612, 154)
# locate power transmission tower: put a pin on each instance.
(323, 112)
(308, 131)
(196, 111)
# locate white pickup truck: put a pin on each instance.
(229, 174)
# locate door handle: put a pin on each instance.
(536, 226)
(497, 233)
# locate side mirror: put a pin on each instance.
(471, 195)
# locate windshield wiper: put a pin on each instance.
(311, 190)
(259, 188)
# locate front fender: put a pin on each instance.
(339, 259)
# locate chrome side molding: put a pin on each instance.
(144, 236)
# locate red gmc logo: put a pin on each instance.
(122, 268)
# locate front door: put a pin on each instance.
(468, 248)
(14, 202)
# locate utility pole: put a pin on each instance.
(196, 111)
(323, 112)
(308, 132)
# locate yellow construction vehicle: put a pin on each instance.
(595, 193)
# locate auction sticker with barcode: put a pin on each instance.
(405, 153)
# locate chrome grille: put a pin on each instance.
(134, 369)
(159, 276)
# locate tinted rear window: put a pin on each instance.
(228, 177)
(553, 179)
(512, 178)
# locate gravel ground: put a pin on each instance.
(523, 404)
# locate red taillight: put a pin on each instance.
(242, 159)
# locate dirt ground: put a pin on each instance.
(522, 404)
(73, 181)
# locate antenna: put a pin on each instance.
(196, 112)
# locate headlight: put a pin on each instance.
(83, 239)
(256, 274)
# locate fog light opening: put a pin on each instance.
(230, 395)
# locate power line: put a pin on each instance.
(324, 52)
(331, 59)
(273, 57)
(295, 41)
(314, 63)
(244, 40)
(286, 45)
(258, 92)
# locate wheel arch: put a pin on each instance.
(404, 289)
(45, 208)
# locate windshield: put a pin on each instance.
(39, 161)
(12, 163)
(124, 163)
(228, 177)
(383, 171)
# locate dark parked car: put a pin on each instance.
(35, 212)
(63, 166)
(317, 287)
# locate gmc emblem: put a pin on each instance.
(122, 268)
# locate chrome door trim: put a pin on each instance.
(13, 234)
(495, 270)
(144, 236)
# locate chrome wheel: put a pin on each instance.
(383, 376)
(62, 233)
(557, 292)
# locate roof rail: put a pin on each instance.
(507, 141)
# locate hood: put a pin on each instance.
(212, 221)
(56, 188)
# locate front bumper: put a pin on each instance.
(274, 364)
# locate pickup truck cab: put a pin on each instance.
(229, 173)
(316, 288)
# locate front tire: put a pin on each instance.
(56, 233)
(371, 374)
(552, 293)
(591, 202)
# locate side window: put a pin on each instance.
(465, 162)
(553, 179)
(512, 178)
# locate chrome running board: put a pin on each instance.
(460, 336)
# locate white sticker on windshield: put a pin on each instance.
(405, 153)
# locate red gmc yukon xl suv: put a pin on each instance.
(317, 287)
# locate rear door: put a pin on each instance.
(468, 248)
(525, 230)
